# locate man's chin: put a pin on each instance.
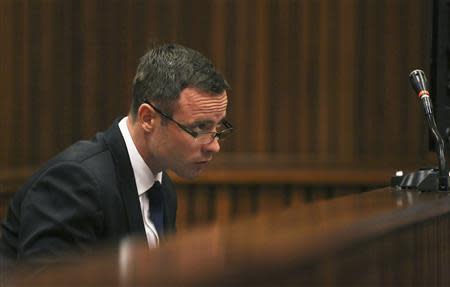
(191, 174)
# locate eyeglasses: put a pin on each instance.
(203, 137)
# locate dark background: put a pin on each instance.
(440, 67)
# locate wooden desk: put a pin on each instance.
(383, 237)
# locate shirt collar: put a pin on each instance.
(143, 176)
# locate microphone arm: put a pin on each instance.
(443, 185)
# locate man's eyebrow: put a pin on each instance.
(202, 122)
(206, 122)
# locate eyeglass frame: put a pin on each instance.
(228, 126)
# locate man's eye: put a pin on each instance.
(200, 127)
(207, 127)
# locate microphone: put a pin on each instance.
(419, 84)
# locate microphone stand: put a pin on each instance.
(425, 179)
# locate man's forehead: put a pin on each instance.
(194, 99)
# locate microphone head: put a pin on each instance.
(419, 82)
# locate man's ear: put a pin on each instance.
(146, 117)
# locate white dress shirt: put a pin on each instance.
(144, 180)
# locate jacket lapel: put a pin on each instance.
(169, 205)
(125, 177)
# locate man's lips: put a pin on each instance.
(203, 161)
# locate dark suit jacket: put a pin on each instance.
(84, 196)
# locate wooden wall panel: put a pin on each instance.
(22, 131)
(303, 89)
(318, 85)
(7, 76)
(346, 71)
(369, 63)
(239, 106)
(415, 55)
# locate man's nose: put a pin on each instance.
(212, 147)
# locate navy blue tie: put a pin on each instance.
(155, 200)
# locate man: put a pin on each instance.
(103, 190)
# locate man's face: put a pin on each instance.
(177, 150)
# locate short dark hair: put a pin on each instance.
(164, 71)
